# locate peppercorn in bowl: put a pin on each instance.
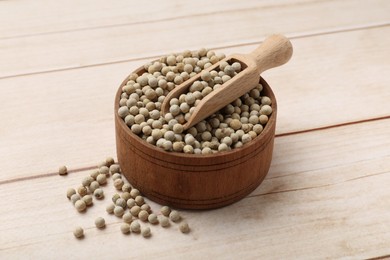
(218, 161)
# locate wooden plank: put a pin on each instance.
(113, 44)
(47, 117)
(314, 203)
(26, 18)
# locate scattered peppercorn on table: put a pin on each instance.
(326, 194)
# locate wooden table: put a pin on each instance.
(327, 193)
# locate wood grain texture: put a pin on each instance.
(322, 210)
(326, 194)
(107, 45)
(72, 110)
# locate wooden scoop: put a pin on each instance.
(276, 50)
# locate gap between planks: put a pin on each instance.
(332, 126)
(379, 257)
(76, 170)
(317, 186)
(291, 36)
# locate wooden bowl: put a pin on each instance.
(192, 181)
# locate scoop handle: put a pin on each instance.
(276, 50)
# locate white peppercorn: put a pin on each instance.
(88, 200)
(121, 202)
(146, 207)
(229, 70)
(240, 133)
(101, 179)
(74, 198)
(125, 228)
(98, 193)
(238, 144)
(164, 221)
(135, 210)
(252, 134)
(80, 205)
(145, 231)
(178, 129)
(178, 146)
(70, 192)
(263, 119)
(123, 111)
(134, 193)
(206, 76)
(236, 66)
(131, 203)
(174, 216)
(258, 128)
(118, 184)
(143, 81)
(126, 188)
(118, 211)
(100, 222)
(139, 200)
(167, 145)
(126, 195)
(127, 217)
(225, 78)
(110, 208)
(227, 140)
(135, 227)
(152, 218)
(178, 80)
(207, 150)
(171, 60)
(93, 175)
(244, 120)
(87, 181)
(63, 170)
(116, 176)
(265, 100)
(169, 135)
(246, 138)
(246, 127)
(189, 139)
(253, 119)
(104, 170)
(82, 191)
(184, 227)
(78, 232)
(188, 68)
(143, 215)
(223, 147)
(202, 51)
(114, 168)
(115, 197)
(266, 110)
(222, 65)
(136, 129)
(165, 210)
(109, 161)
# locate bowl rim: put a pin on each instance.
(172, 156)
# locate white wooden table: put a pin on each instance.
(327, 193)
